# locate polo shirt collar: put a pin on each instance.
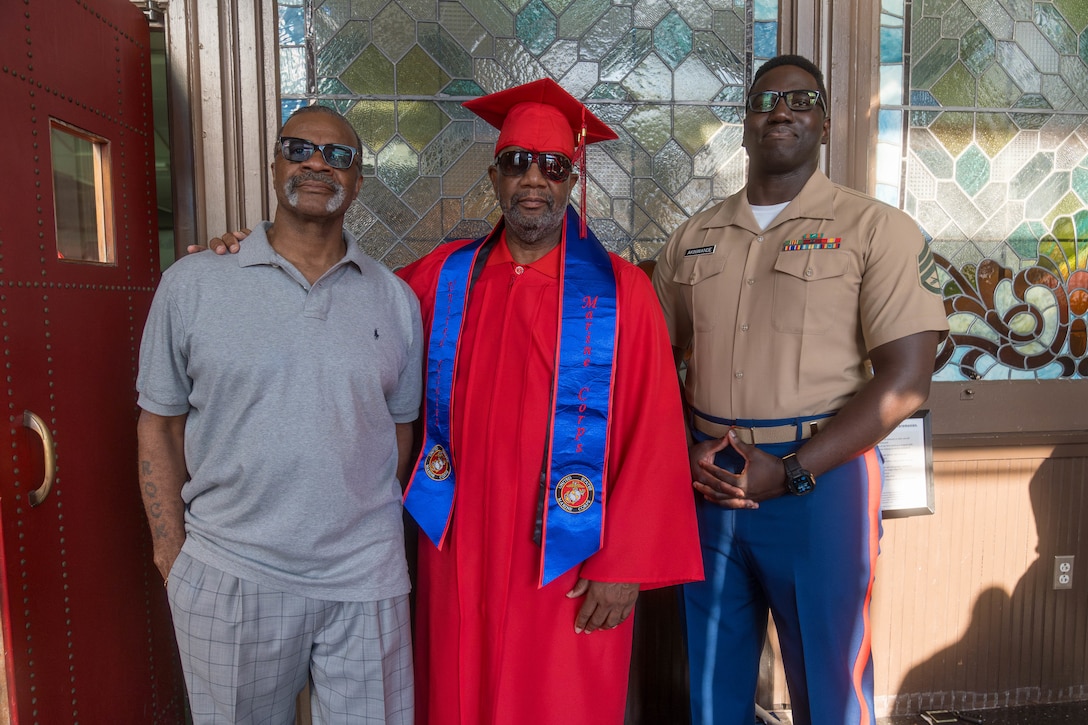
(257, 250)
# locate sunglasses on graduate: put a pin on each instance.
(555, 167)
(336, 155)
(765, 101)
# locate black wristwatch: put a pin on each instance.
(798, 480)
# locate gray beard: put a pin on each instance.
(533, 229)
(290, 190)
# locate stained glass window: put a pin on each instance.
(984, 140)
(669, 77)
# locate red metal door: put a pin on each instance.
(86, 628)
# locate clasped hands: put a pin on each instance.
(763, 476)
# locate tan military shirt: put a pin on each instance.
(779, 322)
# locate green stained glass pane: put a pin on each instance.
(332, 87)
(580, 17)
(1075, 13)
(370, 75)
(418, 75)
(694, 126)
(1024, 242)
(1055, 28)
(672, 39)
(608, 90)
(994, 132)
(934, 64)
(454, 60)
(956, 87)
(978, 49)
(328, 18)
(972, 170)
(394, 31)
(536, 27)
(463, 88)
(954, 130)
(465, 29)
(292, 71)
(627, 53)
(375, 121)
(419, 122)
(342, 49)
(996, 89)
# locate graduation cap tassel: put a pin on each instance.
(585, 178)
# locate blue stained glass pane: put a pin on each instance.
(766, 39)
(289, 106)
(922, 98)
(891, 45)
(891, 127)
(292, 26)
(766, 10)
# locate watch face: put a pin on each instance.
(802, 484)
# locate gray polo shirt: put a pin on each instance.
(292, 392)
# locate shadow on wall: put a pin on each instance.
(1031, 646)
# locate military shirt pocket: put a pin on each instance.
(700, 275)
(810, 290)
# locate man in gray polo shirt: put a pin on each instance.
(271, 443)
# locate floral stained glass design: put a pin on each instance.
(669, 77)
(984, 140)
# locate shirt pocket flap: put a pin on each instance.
(698, 267)
(812, 265)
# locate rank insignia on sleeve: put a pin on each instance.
(811, 241)
(437, 464)
(927, 271)
(574, 493)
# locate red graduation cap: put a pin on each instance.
(541, 116)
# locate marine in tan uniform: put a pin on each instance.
(809, 314)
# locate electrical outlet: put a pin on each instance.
(1063, 572)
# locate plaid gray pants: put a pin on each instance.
(247, 651)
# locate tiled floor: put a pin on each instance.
(1067, 714)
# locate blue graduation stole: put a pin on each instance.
(573, 518)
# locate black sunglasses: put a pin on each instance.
(555, 167)
(336, 155)
(765, 101)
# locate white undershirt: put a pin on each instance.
(767, 214)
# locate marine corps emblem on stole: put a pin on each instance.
(437, 464)
(574, 493)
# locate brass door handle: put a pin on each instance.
(49, 450)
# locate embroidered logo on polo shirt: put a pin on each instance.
(811, 241)
(700, 250)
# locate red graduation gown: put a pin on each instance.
(491, 646)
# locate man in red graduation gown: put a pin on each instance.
(553, 481)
